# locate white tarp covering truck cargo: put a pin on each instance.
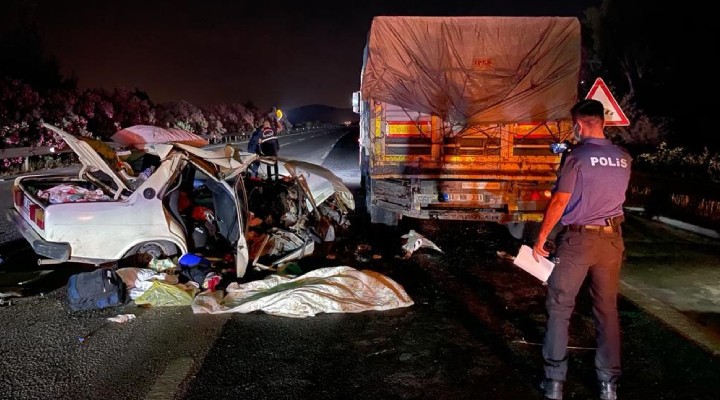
(457, 115)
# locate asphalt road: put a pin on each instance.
(473, 332)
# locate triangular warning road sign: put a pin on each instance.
(614, 116)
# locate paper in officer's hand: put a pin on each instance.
(539, 269)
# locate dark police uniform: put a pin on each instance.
(596, 173)
(269, 146)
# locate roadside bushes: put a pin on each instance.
(678, 162)
(677, 183)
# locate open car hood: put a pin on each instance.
(89, 157)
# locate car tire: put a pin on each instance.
(143, 253)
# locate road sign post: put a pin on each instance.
(614, 116)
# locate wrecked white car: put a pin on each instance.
(170, 199)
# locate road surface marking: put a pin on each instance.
(675, 319)
(168, 383)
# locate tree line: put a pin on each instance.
(651, 56)
(654, 57)
(33, 90)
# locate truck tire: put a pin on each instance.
(516, 229)
(365, 181)
(379, 215)
(527, 232)
(364, 172)
(368, 195)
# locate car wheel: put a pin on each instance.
(145, 252)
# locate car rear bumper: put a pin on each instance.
(54, 250)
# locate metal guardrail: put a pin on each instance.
(16, 152)
(28, 152)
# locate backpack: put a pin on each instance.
(194, 268)
(101, 288)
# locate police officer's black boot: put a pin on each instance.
(608, 391)
(552, 389)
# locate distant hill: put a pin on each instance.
(321, 113)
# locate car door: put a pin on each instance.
(219, 166)
(242, 256)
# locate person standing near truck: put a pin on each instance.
(588, 202)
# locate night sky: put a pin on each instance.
(210, 51)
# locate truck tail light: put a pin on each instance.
(535, 195)
(37, 215)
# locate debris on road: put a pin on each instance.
(6, 297)
(414, 241)
(122, 318)
(10, 294)
(505, 256)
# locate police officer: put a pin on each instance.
(269, 145)
(588, 202)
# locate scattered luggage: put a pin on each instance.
(97, 289)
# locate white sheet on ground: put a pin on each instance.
(326, 290)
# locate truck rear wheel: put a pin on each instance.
(364, 172)
(368, 195)
(526, 232)
(379, 215)
(516, 229)
(365, 181)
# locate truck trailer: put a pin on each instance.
(459, 116)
